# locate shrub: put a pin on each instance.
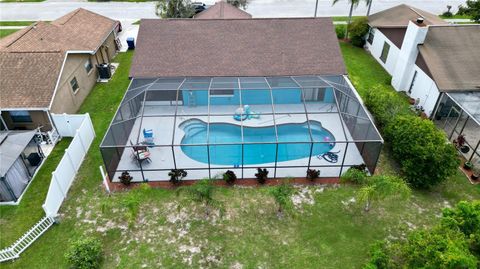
(340, 30)
(282, 194)
(385, 106)
(229, 177)
(261, 175)
(85, 253)
(125, 178)
(471, 8)
(465, 217)
(354, 175)
(422, 150)
(313, 174)
(358, 29)
(176, 175)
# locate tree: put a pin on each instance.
(426, 157)
(238, 3)
(358, 30)
(174, 9)
(465, 217)
(369, 6)
(380, 187)
(353, 5)
(202, 192)
(282, 194)
(471, 9)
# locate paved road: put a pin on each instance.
(258, 8)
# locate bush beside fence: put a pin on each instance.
(425, 155)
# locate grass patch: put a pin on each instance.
(137, 22)
(5, 32)
(16, 23)
(455, 17)
(16, 220)
(345, 18)
(168, 233)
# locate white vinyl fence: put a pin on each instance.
(81, 128)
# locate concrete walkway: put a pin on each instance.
(258, 8)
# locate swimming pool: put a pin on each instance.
(231, 155)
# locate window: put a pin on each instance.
(88, 65)
(371, 35)
(20, 116)
(314, 94)
(74, 84)
(386, 48)
(413, 82)
(220, 93)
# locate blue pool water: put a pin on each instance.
(231, 155)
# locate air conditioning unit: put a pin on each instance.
(104, 71)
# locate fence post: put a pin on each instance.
(79, 135)
(104, 177)
(90, 123)
(67, 152)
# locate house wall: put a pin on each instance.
(39, 118)
(376, 51)
(67, 101)
(425, 89)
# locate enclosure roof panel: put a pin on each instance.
(468, 101)
(236, 47)
(13, 143)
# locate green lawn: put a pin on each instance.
(16, 220)
(168, 232)
(455, 17)
(345, 18)
(5, 32)
(16, 23)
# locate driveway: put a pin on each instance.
(258, 8)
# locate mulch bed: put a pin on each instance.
(468, 174)
(251, 182)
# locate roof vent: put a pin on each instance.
(419, 20)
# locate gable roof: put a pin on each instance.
(452, 56)
(399, 16)
(236, 47)
(31, 59)
(223, 10)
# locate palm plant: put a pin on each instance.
(353, 5)
(202, 192)
(282, 194)
(380, 187)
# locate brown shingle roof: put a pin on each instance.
(451, 53)
(399, 16)
(223, 10)
(31, 58)
(237, 47)
(28, 79)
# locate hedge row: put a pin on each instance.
(425, 155)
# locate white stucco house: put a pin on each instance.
(436, 63)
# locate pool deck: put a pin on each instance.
(162, 157)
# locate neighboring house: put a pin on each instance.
(223, 10)
(20, 157)
(435, 63)
(212, 95)
(52, 67)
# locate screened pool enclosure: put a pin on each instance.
(209, 125)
